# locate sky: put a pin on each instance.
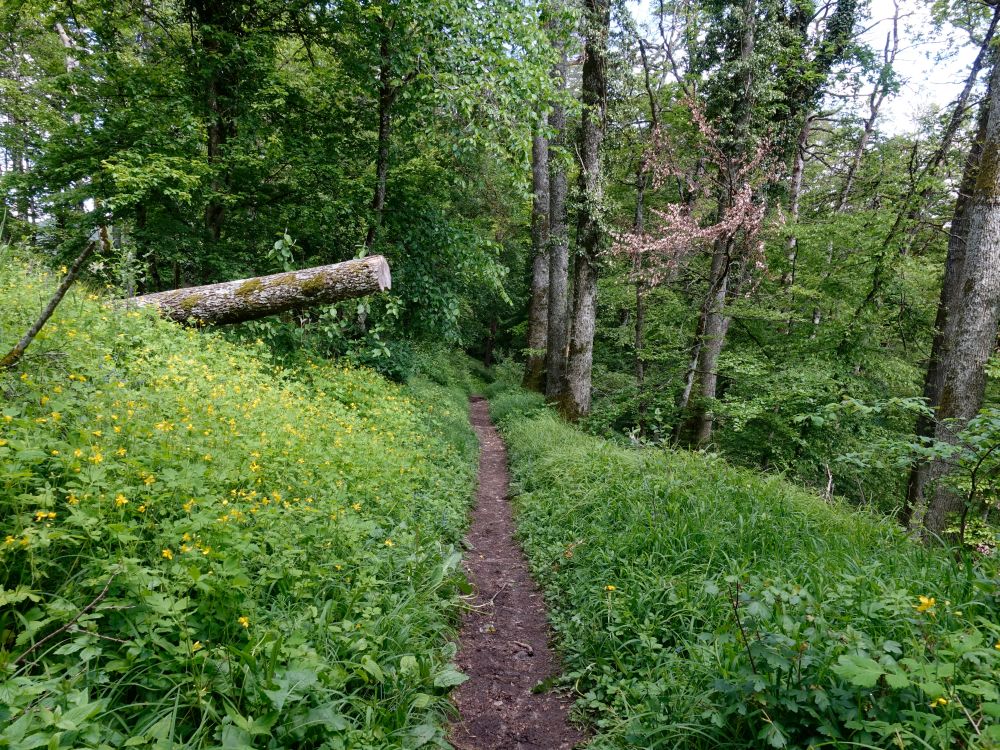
(932, 70)
(927, 79)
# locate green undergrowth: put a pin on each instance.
(702, 606)
(203, 549)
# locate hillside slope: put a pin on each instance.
(202, 549)
(702, 606)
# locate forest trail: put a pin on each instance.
(503, 643)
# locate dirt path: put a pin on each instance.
(504, 638)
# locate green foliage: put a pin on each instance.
(702, 606)
(512, 405)
(204, 549)
(200, 131)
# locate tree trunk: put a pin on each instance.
(641, 180)
(713, 323)
(11, 358)
(640, 298)
(973, 334)
(491, 341)
(944, 324)
(794, 195)
(713, 326)
(538, 314)
(249, 299)
(555, 352)
(220, 32)
(575, 401)
(386, 96)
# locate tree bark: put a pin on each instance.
(386, 97)
(640, 296)
(249, 299)
(713, 323)
(794, 195)
(944, 324)
(973, 334)
(538, 314)
(555, 352)
(641, 181)
(702, 378)
(575, 401)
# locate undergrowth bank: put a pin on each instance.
(201, 548)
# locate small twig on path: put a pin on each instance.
(526, 646)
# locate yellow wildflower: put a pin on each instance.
(196, 646)
(167, 554)
(925, 604)
(244, 621)
(120, 501)
(609, 587)
(389, 543)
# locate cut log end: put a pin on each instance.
(382, 273)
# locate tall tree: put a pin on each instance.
(558, 308)
(538, 312)
(967, 314)
(576, 399)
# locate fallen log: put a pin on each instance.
(249, 299)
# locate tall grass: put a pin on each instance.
(702, 606)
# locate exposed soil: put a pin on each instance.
(503, 644)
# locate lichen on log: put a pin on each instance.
(249, 299)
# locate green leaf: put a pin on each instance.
(372, 668)
(859, 670)
(449, 677)
(897, 680)
(408, 664)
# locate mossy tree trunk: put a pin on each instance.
(945, 322)
(249, 299)
(971, 328)
(575, 400)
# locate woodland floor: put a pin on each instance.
(503, 643)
